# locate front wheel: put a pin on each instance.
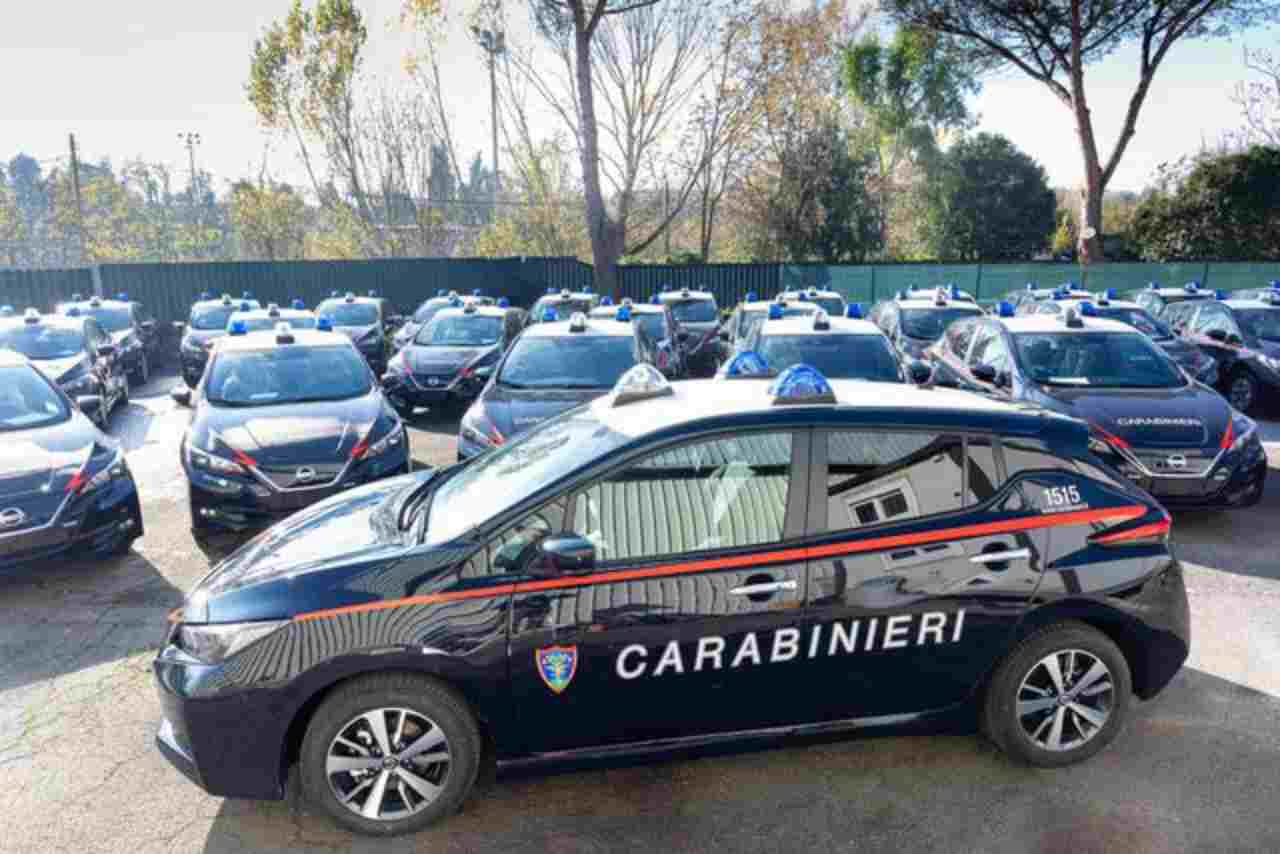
(1060, 697)
(390, 754)
(1242, 390)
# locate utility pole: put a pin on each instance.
(191, 140)
(494, 43)
(75, 185)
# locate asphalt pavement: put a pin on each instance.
(1198, 769)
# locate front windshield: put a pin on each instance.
(27, 400)
(563, 308)
(454, 330)
(833, 306)
(428, 310)
(754, 317)
(928, 324)
(840, 357)
(41, 341)
(211, 318)
(350, 313)
(260, 324)
(1139, 319)
(587, 361)
(1095, 360)
(507, 475)
(695, 311)
(1259, 322)
(286, 375)
(110, 319)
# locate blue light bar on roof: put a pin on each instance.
(244, 306)
(751, 296)
(655, 299)
(1220, 294)
(246, 295)
(238, 327)
(551, 290)
(748, 363)
(775, 310)
(1087, 309)
(503, 302)
(74, 311)
(299, 305)
(549, 315)
(122, 297)
(441, 292)
(324, 324)
(853, 310)
(606, 300)
(623, 314)
(801, 384)
(1004, 308)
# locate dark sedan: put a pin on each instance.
(205, 325)
(137, 340)
(280, 421)
(64, 486)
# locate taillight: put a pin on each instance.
(359, 448)
(78, 480)
(1142, 534)
(243, 459)
(1228, 436)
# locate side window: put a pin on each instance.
(959, 335)
(982, 479)
(997, 354)
(1214, 317)
(981, 341)
(876, 477)
(713, 494)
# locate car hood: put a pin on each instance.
(1190, 417)
(437, 360)
(58, 369)
(514, 411)
(203, 337)
(290, 434)
(36, 465)
(332, 551)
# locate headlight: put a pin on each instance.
(215, 642)
(1243, 430)
(386, 443)
(478, 429)
(204, 461)
(115, 469)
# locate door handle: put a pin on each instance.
(1001, 556)
(768, 587)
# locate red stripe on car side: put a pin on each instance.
(1048, 520)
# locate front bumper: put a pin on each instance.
(96, 524)
(414, 392)
(192, 367)
(245, 501)
(1235, 480)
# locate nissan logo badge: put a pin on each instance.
(12, 518)
(304, 475)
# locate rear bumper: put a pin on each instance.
(97, 524)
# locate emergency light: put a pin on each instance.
(801, 384)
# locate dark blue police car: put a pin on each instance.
(663, 333)
(365, 321)
(75, 352)
(64, 486)
(281, 420)
(1157, 299)
(206, 323)
(1175, 437)
(677, 565)
(1242, 337)
(425, 311)
(914, 320)
(136, 339)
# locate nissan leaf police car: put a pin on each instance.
(73, 351)
(832, 302)
(845, 348)
(663, 347)
(64, 486)
(678, 565)
(752, 311)
(136, 342)
(452, 357)
(553, 366)
(1176, 438)
(281, 420)
(1025, 299)
(423, 313)
(699, 320)
(205, 325)
(563, 304)
(915, 320)
(1187, 355)
(1157, 300)
(1242, 336)
(363, 320)
(269, 318)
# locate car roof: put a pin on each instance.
(12, 359)
(929, 302)
(58, 320)
(685, 294)
(1181, 293)
(763, 305)
(95, 303)
(803, 325)
(478, 311)
(798, 292)
(636, 308)
(747, 400)
(265, 339)
(568, 295)
(258, 313)
(1249, 303)
(354, 300)
(1099, 302)
(596, 326)
(234, 303)
(1055, 323)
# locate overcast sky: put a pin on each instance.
(127, 78)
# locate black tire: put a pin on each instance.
(1000, 717)
(422, 695)
(1242, 384)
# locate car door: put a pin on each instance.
(1213, 318)
(693, 611)
(921, 566)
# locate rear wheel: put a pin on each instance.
(1059, 697)
(1242, 390)
(390, 754)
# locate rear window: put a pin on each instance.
(563, 308)
(211, 318)
(928, 324)
(350, 313)
(428, 310)
(572, 362)
(695, 311)
(1139, 319)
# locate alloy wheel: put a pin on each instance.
(1065, 700)
(388, 763)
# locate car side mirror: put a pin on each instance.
(985, 373)
(921, 372)
(106, 351)
(563, 554)
(181, 394)
(90, 405)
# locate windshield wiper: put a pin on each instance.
(509, 384)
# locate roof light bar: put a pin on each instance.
(801, 384)
(821, 320)
(853, 311)
(238, 327)
(747, 364)
(641, 382)
(324, 324)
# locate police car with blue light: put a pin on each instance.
(1242, 337)
(699, 321)
(753, 311)
(426, 310)
(206, 323)
(281, 420)
(832, 302)
(136, 339)
(664, 348)
(453, 356)
(1157, 300)
(673, 566)
(1188, 357)
(297, 316)
(365, 321)
(915, 319)
(846, 348)
(562, 304)
(553, 366)
(76, 353)
(65, 488)
(1173, 436)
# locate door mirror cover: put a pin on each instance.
(89, 404)
(985, 373)
(563, 554)
(181, 394)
